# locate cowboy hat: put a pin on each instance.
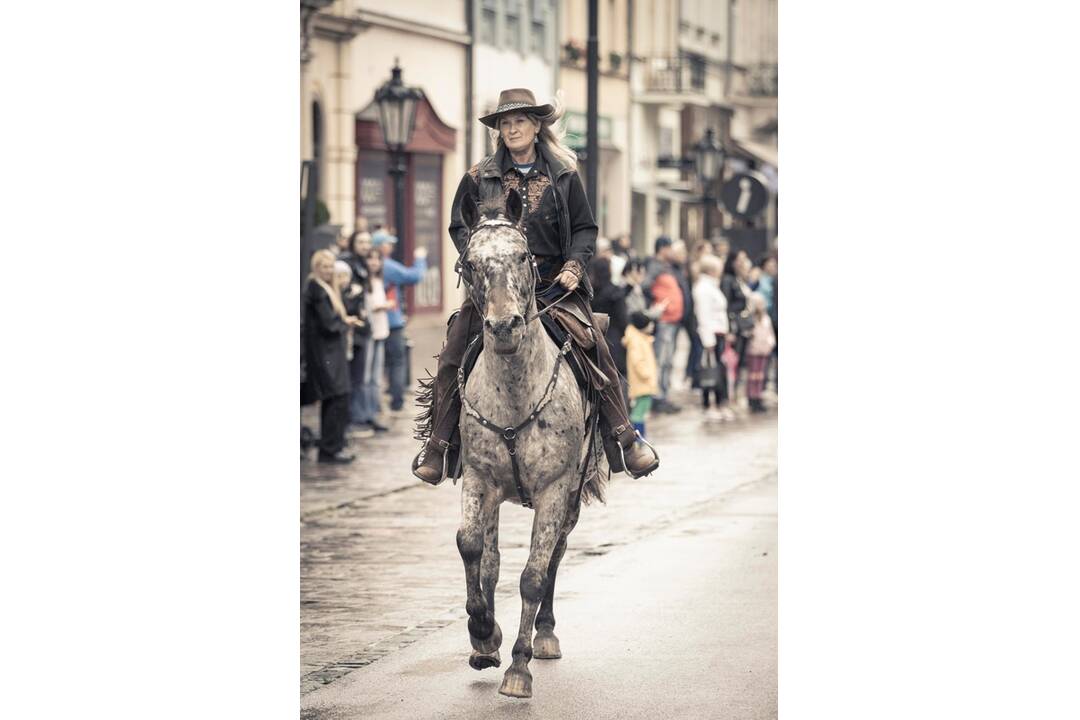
(516, 100)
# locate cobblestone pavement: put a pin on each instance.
(379, 565)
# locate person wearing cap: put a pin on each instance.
(396, 276)
(530, 159)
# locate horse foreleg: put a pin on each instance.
(489, 564)
(546, 644)
(484, 632)
(547, 528)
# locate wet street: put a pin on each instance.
(666, 600)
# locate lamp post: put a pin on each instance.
(397, 111)
(709, 163)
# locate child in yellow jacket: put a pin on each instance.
(640, 369)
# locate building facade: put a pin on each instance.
(351, 47)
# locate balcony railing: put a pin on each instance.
(674, 74)
(762, 80)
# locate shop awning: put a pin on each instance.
(761, 153)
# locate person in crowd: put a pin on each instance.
(359, 244)
(634, 278)
(768, 289)
(765, 279)
(663, 286)
(611, 299)
(710, 305)
(760, 346)
(735, 288)
(641, 368)
(353, 297)
(621, 253)
(325, 324)
(378, 308)
(342, 281)
(681, 262)
(721, 248)
(531, 159)
(603, 248)
(395, 277)
(341, 244)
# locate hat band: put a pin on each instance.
(512, 106)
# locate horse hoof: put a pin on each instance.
(490, 645)
(482, 661)
(546, 646)
(517, 684)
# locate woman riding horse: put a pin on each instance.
(561, 233)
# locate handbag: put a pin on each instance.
(709, 373)
(744, 323)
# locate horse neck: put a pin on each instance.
(524, 374)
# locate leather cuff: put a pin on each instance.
(575, 267)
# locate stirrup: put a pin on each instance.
(622, 453)
(446, 456)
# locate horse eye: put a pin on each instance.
(523, 257)
(470, 266)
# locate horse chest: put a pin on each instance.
(546, 449)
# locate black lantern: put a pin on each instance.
(397, 110)
(708, 158)
(709, 163)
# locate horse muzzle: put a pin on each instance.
(506, 334)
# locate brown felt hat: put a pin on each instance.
(516, 100)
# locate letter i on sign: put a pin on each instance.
(744, 195)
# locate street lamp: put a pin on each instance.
(709, 162)
(397, 111)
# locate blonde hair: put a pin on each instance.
(335, 296)
(710, 265)
(551, 133)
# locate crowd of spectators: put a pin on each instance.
(353, 336)
(725, 304)
(354, 330)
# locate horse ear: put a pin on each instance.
(514, 207)
(470, 213)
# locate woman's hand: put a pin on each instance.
(354, 321)
(568, 280)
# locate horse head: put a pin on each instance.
(498, 269)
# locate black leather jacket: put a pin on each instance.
(559, 224)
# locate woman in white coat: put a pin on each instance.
(710, 309)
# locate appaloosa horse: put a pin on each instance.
(524, 439)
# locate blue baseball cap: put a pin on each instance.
(383, 238)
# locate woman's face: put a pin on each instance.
(341, 280)
(743, 264)
(324, 269)
(518, 131)
(374, 262)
